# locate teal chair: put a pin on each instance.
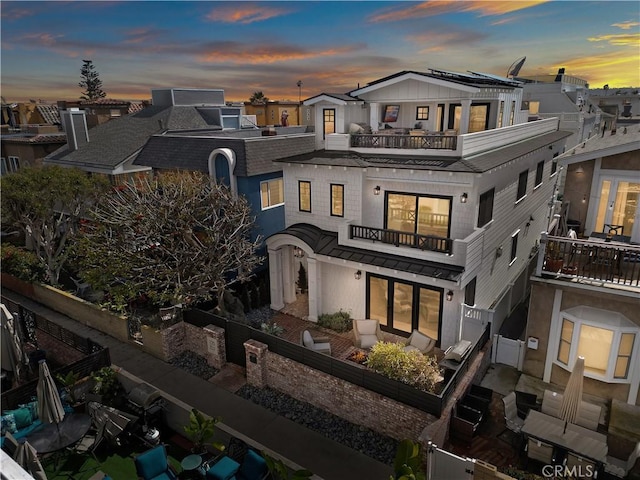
(153, 465)
(253, 467)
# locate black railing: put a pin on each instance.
(609, 262)
(398, 238)
(238, 333)
(421, 142)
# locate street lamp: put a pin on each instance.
(299, 84)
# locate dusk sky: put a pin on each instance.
(244, 46)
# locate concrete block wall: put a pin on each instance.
(334, 395)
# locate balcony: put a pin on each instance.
(434, 141)
(399, 238)
(608, 263)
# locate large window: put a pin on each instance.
(422, 113)
(619, 205)
(605, 339)
(455, 114)
(329, 120)
(422, 214)
(485, 209)
(440, 117)
(522, 185)
(402, 307)
(304, 196)
(337, 200)
(271, 193)
(479, 118)
(501, 114)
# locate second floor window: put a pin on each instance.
(554, 167)
(500, 114)
(539, 172)
(522, 185)
(337, 200)
(512, 115)
(485, 210)
(421, 214)
(304, 196)
(271, 193)
(514, 247)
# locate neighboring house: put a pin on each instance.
(241, 159)
(29, 146)
(430, 221)
(110, 148)
(567, 98)
(589, 303)
(273, 113)
(625, 100)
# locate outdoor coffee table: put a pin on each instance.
(190, 463)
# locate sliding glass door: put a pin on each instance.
(402, 307)
(422, 214)
(618, 207)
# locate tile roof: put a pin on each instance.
(39, 138)
(113, 142)
(323, 242)
(476, 164)
(135, 107)
(49, 114)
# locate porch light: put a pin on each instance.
(297, 252)
(449, 295)
(376, 190)
(463, 197)
(357, 275)
(580, 169)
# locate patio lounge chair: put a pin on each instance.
(367, 333)
(153, 465)
(511, 418)
(420, 342)
(318, 346)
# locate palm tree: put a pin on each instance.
(258, 98)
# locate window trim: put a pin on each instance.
(493, 198)
(263, 208)
(524, 174)
(514, 247)
(554, 166)
(618, 330)
(417, 195)
(300, 209)
(13, 163)
(539, 175)
(331, 185)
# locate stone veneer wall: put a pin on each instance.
(348, 401)
(207, 342)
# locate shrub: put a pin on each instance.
(338, 322)
(272, 329)
(21, 263)
(413, 368)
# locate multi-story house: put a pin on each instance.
(586, 291)
(422, 206)
(28, 146)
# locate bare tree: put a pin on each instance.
(177, 238)
(47, 204)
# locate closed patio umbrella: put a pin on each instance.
(111, 420)
(12, 352)
(27, 458)
(573, 392)
(50, 408)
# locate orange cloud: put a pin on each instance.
(619, 70)
(625, 25)
(245, 13)
(439, 7)
(441, 39)
(632, 39)
(241, 53)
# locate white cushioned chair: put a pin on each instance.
(420, 342)
(318, 346)
(367, 333)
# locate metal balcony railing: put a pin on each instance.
(421, 142)
(608, 262)
(399, 238)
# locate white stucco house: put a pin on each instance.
(422, 205)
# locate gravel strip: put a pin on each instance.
(365, 440)
(194, 364)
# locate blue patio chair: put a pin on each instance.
(253, 467)
(153, 465)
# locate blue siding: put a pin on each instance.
(269, 221)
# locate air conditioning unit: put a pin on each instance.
(458, 351)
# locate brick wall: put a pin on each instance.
(207, 342)
(59, 351)
(334, 395)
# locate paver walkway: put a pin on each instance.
(326, 458)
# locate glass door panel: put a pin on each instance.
(433, 216)
(402, 306)
(401, 212)
(625, 206)
(429, 313)
(378, 294)
(602, 206)
(478, 118)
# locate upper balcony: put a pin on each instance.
(401, 141)
(607, 263)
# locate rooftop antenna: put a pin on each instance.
(515, 67)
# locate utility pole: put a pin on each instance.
(299, 84)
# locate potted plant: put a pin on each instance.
(200, 430)
(69, 382)
(302, 279)
(107, 386)
(554, 259)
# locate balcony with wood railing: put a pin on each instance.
(603, 262)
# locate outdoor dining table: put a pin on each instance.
(52, 438)
(574, 438)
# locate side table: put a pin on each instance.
(190, 465)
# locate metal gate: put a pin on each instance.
(508, 352)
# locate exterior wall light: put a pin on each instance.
(376, 190)
(297, 252)
(357, 275)
(449, 295)
(463, 197)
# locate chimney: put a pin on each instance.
(74, 123)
